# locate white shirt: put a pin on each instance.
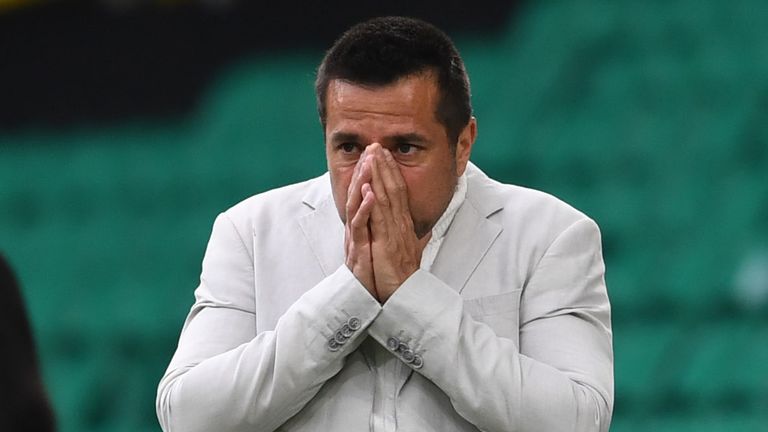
(442, 225)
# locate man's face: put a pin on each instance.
(400, 117)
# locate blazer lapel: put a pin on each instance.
(322, 227)
(468, 239)
(471, 233)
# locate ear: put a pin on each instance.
(464, 145)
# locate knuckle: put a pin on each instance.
(349, 207)
(407, 223)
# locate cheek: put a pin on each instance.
(341, 177)
(428, 191)
(419, 189)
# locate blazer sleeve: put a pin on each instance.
(560, 378)
(226, 377)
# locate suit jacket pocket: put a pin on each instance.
(501, 312)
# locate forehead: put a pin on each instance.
(412, 98)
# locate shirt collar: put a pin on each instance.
(443, 223)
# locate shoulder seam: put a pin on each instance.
(554, 240)
(239, 236)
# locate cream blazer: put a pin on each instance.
(509, 331)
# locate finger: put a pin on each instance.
(354, 199)
(359, 223)
(347, 240)
(396, 190)
(377, 183)
(358, 170)
(394, 186)
(383, 221)
(354, 195)
(369, 200)
(379, 224)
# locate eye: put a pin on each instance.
(348, 147)
(406, 148)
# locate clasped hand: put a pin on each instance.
(382, 249)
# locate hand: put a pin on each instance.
(395, 248)
(357, 236)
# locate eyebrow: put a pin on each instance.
(409, 138)
(345, 137)
(399, 138)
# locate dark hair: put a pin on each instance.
(380, 51)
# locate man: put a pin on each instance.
(403, 290)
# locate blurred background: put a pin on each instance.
(127, 125)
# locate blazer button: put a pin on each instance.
(417, 362)
(354, 323)
(333, 345)
(393, 343)
(402, 347)
(346, 331)
(408, 356)
(339, 337)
